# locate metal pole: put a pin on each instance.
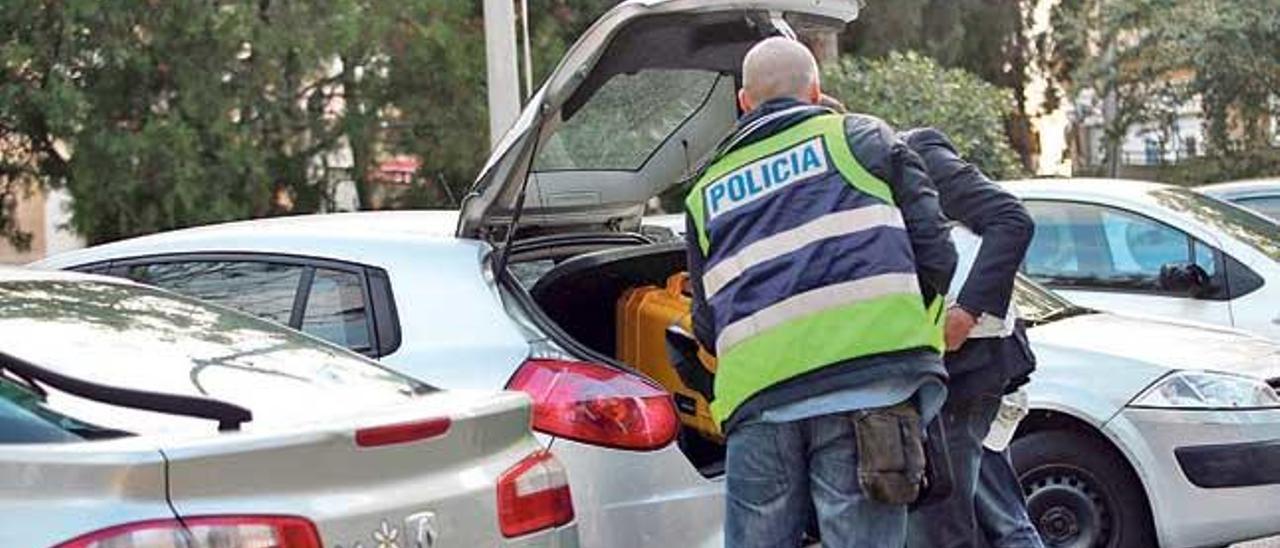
(500, 60)
(528, 55)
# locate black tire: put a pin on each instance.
(1081, 493)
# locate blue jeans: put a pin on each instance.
(775, 470)
(1001, 506)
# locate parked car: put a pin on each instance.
(130, 417)
(1262, 195)
(1147, 398)
(1160, 250)
(1105, 457)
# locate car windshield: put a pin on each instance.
(1251, 228)
(1038, 305)
(148, 339)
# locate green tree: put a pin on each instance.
(988, 39)
(157, 115)
(1142, 61)
(911, 90)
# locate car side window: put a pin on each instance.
(1139, 246)
(1095, 246)
(336, 310)
(264, 289)
(348, 305)
(1269, 206)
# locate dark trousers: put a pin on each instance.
(952, 522)
(1000, 505)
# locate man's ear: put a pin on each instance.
(814, 94)
(744, 101)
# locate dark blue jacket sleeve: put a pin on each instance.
(971, 198)
(881, 153)
(703, 324)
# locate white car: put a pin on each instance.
(1126, 441)
(1261, 195)
(1153, 249)
(132, 417)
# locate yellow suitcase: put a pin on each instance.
(644, 315)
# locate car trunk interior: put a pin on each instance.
(580, 284)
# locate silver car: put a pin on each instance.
(132, 417)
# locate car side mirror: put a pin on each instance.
(1183, 277)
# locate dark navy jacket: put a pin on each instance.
(968, 196)
(880, 152)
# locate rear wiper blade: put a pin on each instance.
(228, 415)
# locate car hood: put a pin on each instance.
(1162, 343)
(709, 35)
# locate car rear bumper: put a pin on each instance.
(633, 499)
(560, 537)
(1203, 473)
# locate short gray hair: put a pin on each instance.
(778, 67)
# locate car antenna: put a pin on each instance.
(229, 416)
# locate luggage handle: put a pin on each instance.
(678, 284)
(682, 350)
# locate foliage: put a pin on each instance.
(158, 115)
(1154, 59)
(988, 39)
(910, 90)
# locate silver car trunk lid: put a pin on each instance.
(442, 485)
(681, 58)
(53, 492)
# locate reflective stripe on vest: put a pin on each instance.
(831, 225)
(808, 261)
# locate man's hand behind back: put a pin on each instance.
(959, 324)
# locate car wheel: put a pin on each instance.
(1080, 493)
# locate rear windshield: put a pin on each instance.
(626, 120)
(24, 417)
(148, 339)
(1242, 224)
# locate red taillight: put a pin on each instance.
(597, 404)
(256, 531)
(533, 495)
(404, 432)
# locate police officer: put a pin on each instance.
(984, 368)
(818, 256)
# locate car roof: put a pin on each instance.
(1241, 187)
(332, 235)
(24, 274)
(1113, 188)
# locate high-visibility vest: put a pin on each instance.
(808, 262)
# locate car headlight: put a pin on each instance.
(1208, 390)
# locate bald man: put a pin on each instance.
(818, 257)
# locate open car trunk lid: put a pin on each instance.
(634, 108)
